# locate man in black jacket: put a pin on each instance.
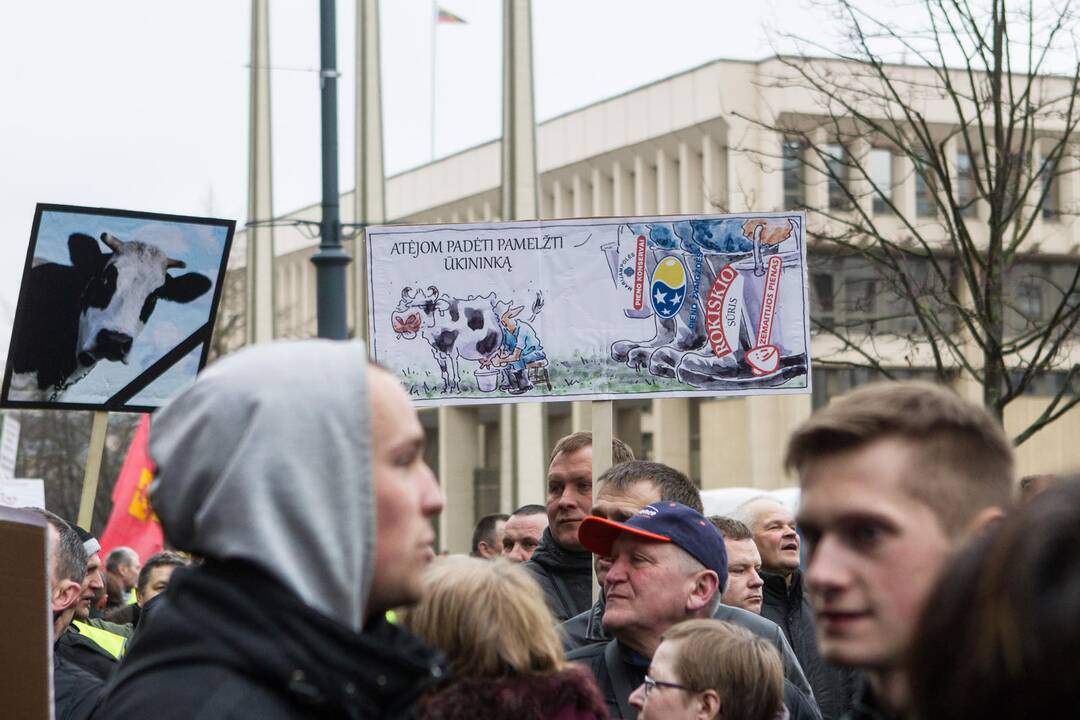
(785, 603)
(560, 564)
(76, 692)
(297, 471)
(621, 492)
(667, 565)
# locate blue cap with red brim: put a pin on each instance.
(661, 522)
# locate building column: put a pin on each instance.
(520, 202)
(580, 415)
(671, 432)
(714, 176)
(644, 187)
(667, 183)
(581, 196)
(369, 203)
(622, 190)
(601, 194)
(458, 460)
(691, 198)
(562, 202)
(259, 309)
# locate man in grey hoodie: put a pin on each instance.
(297, 470)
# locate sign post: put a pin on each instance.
(9, 447)
(93, 468)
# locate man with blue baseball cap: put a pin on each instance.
(668, 565)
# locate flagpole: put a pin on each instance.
(434, 25)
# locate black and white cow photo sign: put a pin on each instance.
(116, 308)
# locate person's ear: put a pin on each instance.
(706, 586)
(65, 594)
(985, 519)
(708, 705)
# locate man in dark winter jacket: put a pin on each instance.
(560, 564)
(297, 471)
(76, 692)
(668, 564)
(785, 603)
(621, 492)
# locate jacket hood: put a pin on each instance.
(551, 554)
(267, 459)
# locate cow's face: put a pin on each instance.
(121, 294)
(416, 310)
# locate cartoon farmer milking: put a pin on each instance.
(519, 348)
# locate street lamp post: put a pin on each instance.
(331, 258)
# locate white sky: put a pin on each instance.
(143, 104)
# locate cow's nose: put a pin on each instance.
(113, 345)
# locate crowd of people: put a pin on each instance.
(304, 580)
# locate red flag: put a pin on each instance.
(448, 18)
(133, 522)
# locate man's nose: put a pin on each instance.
(828, 567)
(432, 498)
(755, 580)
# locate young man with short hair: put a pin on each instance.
(894, 477)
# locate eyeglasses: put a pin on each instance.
(651, 685)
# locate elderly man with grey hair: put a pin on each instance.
(668, 564)
(121, 576)
(785, 601)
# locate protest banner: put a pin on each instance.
(21, 492)
(26, 643)
(592, 309)
(115, 308)
(9, 447)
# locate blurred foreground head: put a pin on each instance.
(306, 461)
(1003, 636)
(489, 618)
(894, 477)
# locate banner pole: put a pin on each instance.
(93, 468)
(602, 433)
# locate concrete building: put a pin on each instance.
(677, 145)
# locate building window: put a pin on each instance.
(793, 175)
(881, 175)
(852, 295)
(831, 382)
(837, 168)
(1051, 208)
(925, 202)
(965, 185)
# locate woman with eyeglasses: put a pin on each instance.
(705, 669)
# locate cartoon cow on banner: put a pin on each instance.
(454, 328)
(92, 310)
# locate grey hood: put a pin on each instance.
(267, 458)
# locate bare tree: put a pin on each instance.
(975, 120)
(53, 446)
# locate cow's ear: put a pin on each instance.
(185, 288)
(85, 252)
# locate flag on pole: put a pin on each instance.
(133, 522)
(449, 18)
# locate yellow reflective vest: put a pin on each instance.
(108, 641)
